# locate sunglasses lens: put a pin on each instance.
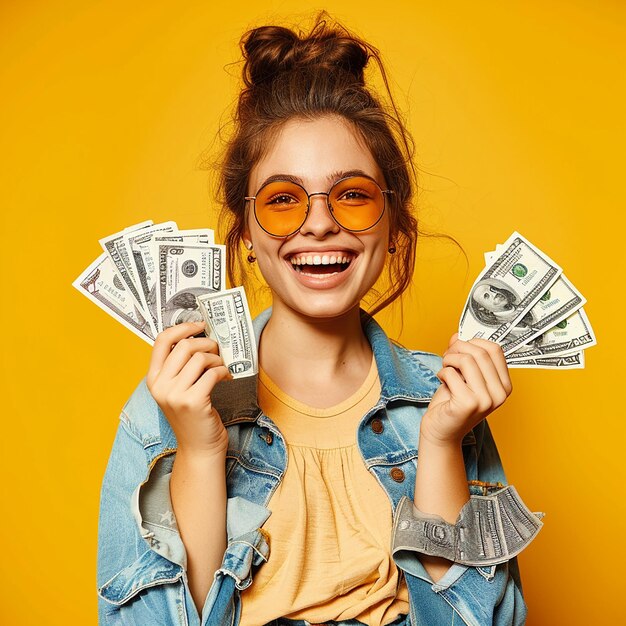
(357, 202)
(281, 207)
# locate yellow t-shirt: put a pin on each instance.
(330, 527)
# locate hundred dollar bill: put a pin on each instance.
(575, 360)
(102, 285)
(134, 242)
(557, 303)
(569, 335)
(186, 272)
(147, 266)
(115, 247)
(506, 289)
(228, 322)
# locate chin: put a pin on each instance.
(322, 306)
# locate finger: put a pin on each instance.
(459, 391)
(164, 342)
(454, 338)
(202, 389)
(473, 376)
(485, 353)
(194, 368)
(498, 359)
(183, 351)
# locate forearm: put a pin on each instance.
(198, 494)
(440, 489)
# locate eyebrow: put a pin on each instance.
(331, 178)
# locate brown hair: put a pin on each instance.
(289, 75)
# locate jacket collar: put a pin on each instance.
(404, 374)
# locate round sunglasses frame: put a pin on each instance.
(328, 204)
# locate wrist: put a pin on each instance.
(211, 445)
(201, 456)
(430, 438)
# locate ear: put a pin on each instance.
(247, 240)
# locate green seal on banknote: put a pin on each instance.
(519, 270)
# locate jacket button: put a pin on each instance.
(268, 438)
(377, 426)
(397, 474)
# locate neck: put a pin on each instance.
(315, 360)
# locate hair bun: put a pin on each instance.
(270, 50)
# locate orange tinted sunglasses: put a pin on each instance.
(356, 204)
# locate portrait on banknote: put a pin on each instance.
(492, 302)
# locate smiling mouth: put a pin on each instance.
(321, 264)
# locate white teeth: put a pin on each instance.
(318, 259)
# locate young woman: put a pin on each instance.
(282, 498)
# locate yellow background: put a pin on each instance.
(517, 109)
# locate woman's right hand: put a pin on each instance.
(182, 373)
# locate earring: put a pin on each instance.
(251, 257)
(391, 249)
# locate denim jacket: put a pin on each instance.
(141, 574)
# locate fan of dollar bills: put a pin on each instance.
(153, 276)
(522, 301)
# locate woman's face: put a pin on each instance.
(318, 153)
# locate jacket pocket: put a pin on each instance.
(148, 591)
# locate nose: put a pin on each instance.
(319, 221)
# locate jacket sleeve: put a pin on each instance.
(141, 569)
(484, 593)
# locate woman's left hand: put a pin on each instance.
(475, 381)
